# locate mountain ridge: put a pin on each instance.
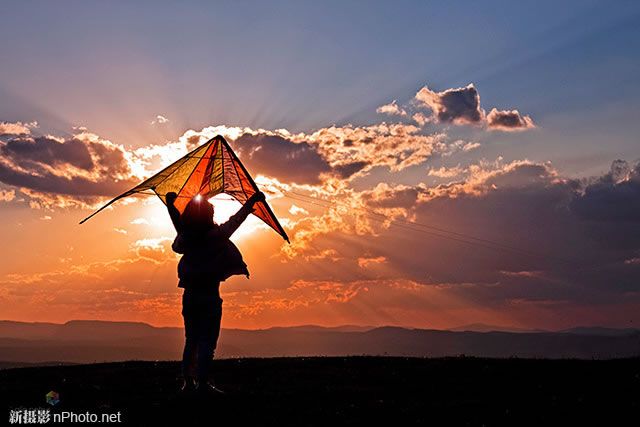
(87, 341)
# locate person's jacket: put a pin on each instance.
(211, 256)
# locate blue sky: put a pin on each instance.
(114, 66)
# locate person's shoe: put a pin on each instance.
(208, 388)
(188, 385)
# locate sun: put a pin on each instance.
(223, 207)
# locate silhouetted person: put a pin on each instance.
(209, 257)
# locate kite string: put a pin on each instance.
(467, 236)
(410, 225)
(463, 238)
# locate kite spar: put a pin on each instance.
(210, 169)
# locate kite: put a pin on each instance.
(210, 169)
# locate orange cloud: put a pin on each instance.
(7, 195)
(364, 262)
(17, 128)
(391, 109)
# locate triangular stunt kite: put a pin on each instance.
(210, 169)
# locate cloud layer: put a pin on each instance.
(507, 242)
(78, 168)
(378, 234)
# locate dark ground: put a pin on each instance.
(345, 391)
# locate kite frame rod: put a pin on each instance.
(152, 190)
(266, 205)
(133, 190)
(122, 196)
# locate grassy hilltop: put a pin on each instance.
(345, 391)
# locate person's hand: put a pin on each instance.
(171, 198)
(258, 197)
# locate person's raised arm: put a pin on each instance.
(229, 227)
(174, 213)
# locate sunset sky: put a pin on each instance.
(435, 164)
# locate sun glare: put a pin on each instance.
(223, 207)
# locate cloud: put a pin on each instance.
(139, 221)
(138, 288)
(159, 120)
(341, 152)
(459, 106)
(365, 262)
(508, 121)
(470, 146)
(391, 109)
(421, 119)
(82, 171)
(346, 170)
(17, 128)
(295, 210)
(85, 169)
(350, 259)
(396, 146)
(280, 157)
(84, 165)
(47, 151)
(577, 237)
(613, 198)
(157, 250)
(444, 172)
(7, 195)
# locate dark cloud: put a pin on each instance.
(386, 197)
(47, 151)
(522, 175)
(71, 185)
(288, 161)
(346, 170)
(577, 244)
(276, 156)
(109, 159)
(460, 106)
(193, 140)
(613, 197)
(508, 120)
(43, 164)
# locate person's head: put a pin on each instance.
(198, 215)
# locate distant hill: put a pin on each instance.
(591, 330)
(481, 327)
(88, 341)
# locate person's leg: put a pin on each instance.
(191, 332)
(189, 358)
(209, 337)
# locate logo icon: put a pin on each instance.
(52, 398)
